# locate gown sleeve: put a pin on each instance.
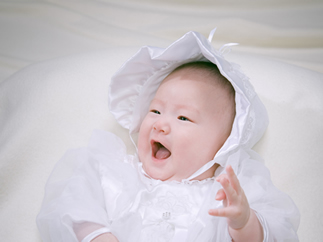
(275, 210)
(74, 207)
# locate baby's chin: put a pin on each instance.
(166, 177)
(162, 176)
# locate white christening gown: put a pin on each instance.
(99, 189)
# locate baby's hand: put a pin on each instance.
(108, 237)
(236, 207)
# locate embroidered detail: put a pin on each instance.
(249, 90)
(160, 232)
(166, 215)
(170, 205)
(176, 205)
(167, 209)
(246, 134)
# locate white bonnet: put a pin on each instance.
(134, 85)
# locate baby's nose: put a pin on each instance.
(162, 126)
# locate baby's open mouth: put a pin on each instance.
(159, 151)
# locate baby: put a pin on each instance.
(195, 177)
(189, 120)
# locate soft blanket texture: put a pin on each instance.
(75, 47)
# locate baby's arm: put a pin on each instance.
(88, 231)
(243, 222)
(108, 237)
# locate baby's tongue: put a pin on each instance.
(162, 153)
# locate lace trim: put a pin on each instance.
(248, 88)
(134, 161)
(153, 181)
(248, 130)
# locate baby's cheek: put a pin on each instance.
(142, 149)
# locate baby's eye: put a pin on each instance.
(155, 111)
(182, 118)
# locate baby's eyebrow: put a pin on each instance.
(187, 107)
(177, 106)
(156, 101)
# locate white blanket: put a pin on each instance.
(74, 48)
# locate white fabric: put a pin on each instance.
(136, 208)
(51, 106)
(95, 234)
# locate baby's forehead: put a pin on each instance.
(191, 84)
(215, 87)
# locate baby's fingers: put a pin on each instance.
(233, 179)
(220, 212)
(220, 195)
(231, 194)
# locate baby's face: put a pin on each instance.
(187, 123)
